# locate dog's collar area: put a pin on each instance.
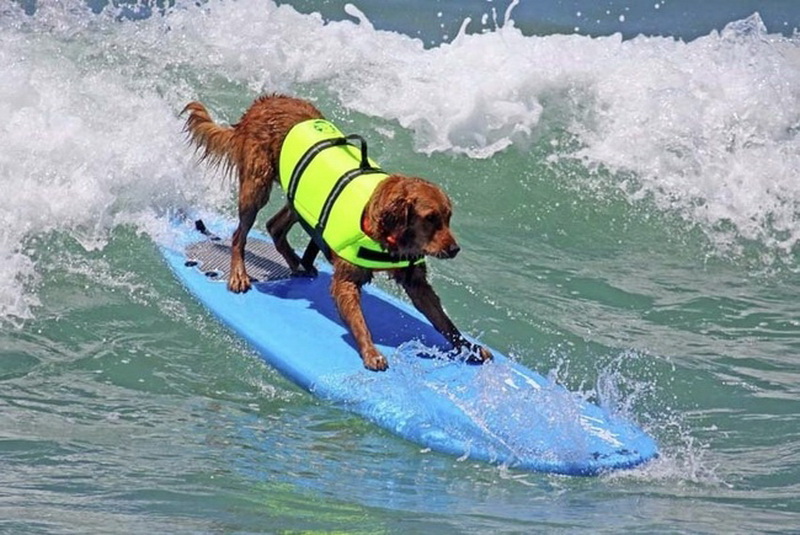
(367, 229)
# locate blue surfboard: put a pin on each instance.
(500, 412)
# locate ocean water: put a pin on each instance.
(626, 180)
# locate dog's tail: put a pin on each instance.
(216, 142)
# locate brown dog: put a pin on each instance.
(409, 217)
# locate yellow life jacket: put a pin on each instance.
(328, 182)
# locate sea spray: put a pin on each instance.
(637, 387)
(92, 137)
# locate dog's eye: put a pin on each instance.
(433, 219)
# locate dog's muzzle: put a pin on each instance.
(452, 251)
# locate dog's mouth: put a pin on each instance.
(402, 251)
(445, 254)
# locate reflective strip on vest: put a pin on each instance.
(325, 182)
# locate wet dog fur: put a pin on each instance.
(409, 216)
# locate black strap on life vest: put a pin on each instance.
(317, 244)
(364, 168)
(317, 148)
(382, 256)
(305, 161)
(337, 190)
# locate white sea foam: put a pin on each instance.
(708, 129)
(84, 147)
(90, 136)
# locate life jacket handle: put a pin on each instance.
(364, 158)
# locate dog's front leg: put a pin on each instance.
(346, 290)
(414, 281)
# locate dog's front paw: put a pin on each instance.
(374, 361)
(475, 354)
(479, 355)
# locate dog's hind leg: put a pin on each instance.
(252, 197)
(239, 280)
(278, 227)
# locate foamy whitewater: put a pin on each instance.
(629, 210)
(706, 129)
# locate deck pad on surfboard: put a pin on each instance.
(500, 412)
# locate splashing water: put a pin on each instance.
(92, 139)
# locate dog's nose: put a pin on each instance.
(453, 250)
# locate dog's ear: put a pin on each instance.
(395, 218)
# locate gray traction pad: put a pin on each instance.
(262, 260)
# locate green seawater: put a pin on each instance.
(126, 408)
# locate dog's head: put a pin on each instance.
(411, 217)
